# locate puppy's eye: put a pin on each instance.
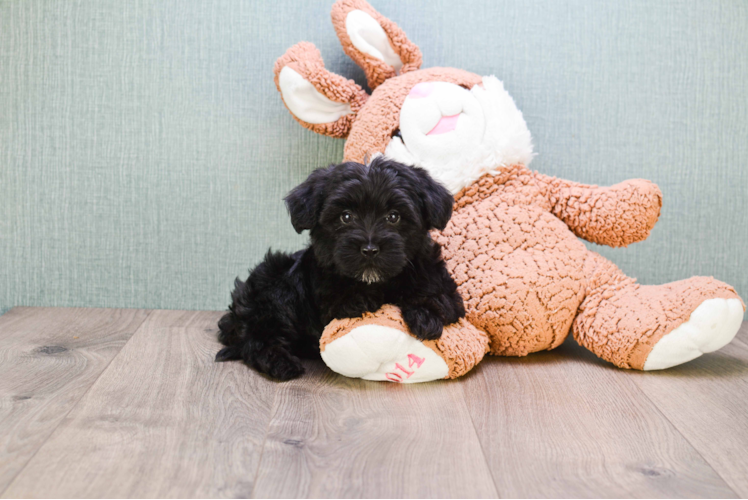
(346, 217)
(393, 217)
(397, 133)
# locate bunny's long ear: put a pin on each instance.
(374, 42)
(321, 101)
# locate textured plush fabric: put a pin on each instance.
(376, 71)
(518, 268)
(642, 315)
(373, 128)
(512, 244)
(461, 346)
(616, 216)
(305, 59)
(144, 150)
(526, 279)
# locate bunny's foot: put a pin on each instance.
(378, 346)
(710, 327)
(657, 327)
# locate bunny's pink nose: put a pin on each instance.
(421, 90)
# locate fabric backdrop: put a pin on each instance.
(144, 151)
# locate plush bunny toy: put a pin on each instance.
(512, 245)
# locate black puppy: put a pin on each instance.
(370, 246)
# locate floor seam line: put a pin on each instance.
(75, 405)
(264, 441)
(477, 438)
(677, 429)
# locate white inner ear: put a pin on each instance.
(306, 102)
(368, 36)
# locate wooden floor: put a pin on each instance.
(129, 403)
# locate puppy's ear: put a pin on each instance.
(304, 202)
(436, 200)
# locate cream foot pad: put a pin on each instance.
(711, 327)
(378, 346)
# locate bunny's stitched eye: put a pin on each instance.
(346, 217)
(393, 217)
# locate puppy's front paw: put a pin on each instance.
(423, 323)
(453, 308)
(277, 362)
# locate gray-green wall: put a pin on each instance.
(144, 150)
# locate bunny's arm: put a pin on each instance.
(615, 216)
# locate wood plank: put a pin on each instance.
(742, 336)
(566, 424)
(49, 357)
(707, 401)
(164, 420)
(331, 436)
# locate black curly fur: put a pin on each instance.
(278, 314)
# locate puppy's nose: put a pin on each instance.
(369, 250)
